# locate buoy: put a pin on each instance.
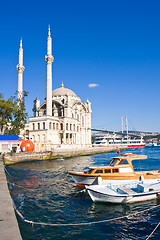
(100, 181)
(27, 146)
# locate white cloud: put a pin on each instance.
(93, 85)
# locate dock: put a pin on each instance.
(11, 158)
(9, 229)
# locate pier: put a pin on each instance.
(11, 158)
(9, 229)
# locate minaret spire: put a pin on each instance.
(49, 59)
(20, 69)
(49, 31)
(21, 43)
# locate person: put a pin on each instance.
(10, 147)
(18, 149)
(118, 152)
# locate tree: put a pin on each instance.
(19, 116)
(13, 114)
(6, 112)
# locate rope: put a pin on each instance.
(20, 186)
(7, 172)
(153, 231)
(84, 223)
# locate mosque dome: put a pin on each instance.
(63, 91)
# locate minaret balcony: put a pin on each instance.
(20, 68)
(49, 59)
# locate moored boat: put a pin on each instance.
(119, 169)
(119, 139)
(114, 141)
(127, 193)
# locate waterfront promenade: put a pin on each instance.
(11, 158)
(9, 229)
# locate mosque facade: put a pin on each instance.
(62, 120)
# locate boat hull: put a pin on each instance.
(119, 145)
(82, 179)
(111, 197)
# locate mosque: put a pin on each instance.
(62, 120)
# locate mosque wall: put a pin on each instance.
(62, 120)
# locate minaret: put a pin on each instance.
(20, 69)
(49, 59)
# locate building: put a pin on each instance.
(62, 120)
(8, 143)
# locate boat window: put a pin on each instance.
(115, 170)
(123, 161)
(99, 171)
(112, 162)
(107, 170)
(90, 171)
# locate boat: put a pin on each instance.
(121, 193)
(155, 144)
(151, 144)
(115, 141)
(120, 139)
(148, 144)
(119, 169)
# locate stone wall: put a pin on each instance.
(11, 158)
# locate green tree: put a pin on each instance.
(13, 114)
(19, 116)
(6, 112)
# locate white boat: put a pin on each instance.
(151, 144)
(155, 144)
(126, 193)
(148, 144)
(115, 141)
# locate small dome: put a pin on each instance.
(63, 91)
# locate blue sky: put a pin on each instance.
(114, 45)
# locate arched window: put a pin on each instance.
(57, 126)
(38, 126)
(61, 126)
(53, 126)
(44, 138)
(27, 132)
(43, 125)
(66, 126)
(71, 127)
(74, 127)
(77, 117)
(38, 138)
(50, 125)
(33, 126)
(82, 121)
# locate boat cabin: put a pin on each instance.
(120, 164)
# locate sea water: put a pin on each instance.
(45, 194)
